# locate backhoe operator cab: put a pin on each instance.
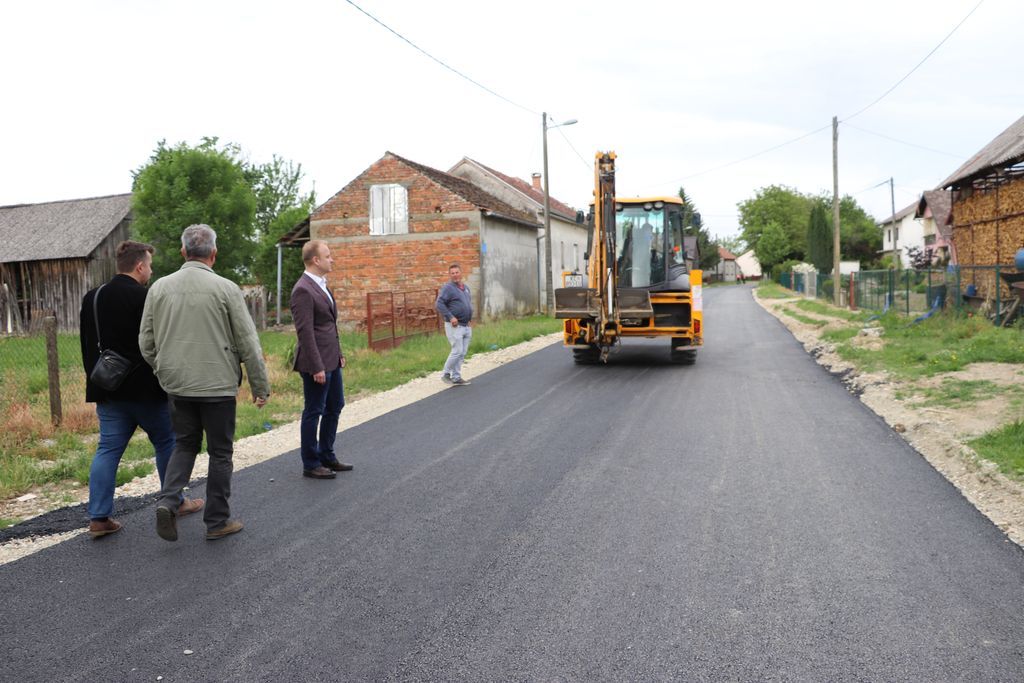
(639, 279)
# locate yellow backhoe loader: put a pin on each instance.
(638, 280)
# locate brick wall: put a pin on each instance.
(443, 228)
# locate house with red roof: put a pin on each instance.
(398, 225)
(726, 270)
(568, 232)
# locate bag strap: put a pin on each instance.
(96, 316)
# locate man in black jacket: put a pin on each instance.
(139, 402)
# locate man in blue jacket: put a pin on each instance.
(455, 304)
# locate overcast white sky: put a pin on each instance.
(675, 88)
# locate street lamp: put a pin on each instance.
(547, 213)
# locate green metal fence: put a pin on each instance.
(963, 289)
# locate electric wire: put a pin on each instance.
(904, 142)
(442, 63)
(897, 84)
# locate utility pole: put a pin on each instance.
(837, 281)
(895, 230)
(548, 285)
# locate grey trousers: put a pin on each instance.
(191, 419)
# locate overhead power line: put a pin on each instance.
(897, 84)
(442, 63)
(903, 142)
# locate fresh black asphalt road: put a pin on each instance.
(745, 518)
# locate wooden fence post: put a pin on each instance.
(53, 367)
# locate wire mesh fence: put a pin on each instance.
(994, 291)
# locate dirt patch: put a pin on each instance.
(251, 450)
(939, 433)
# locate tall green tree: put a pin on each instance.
(693, 224)
(820, 242)
(183, 185)
(778, 204)
(773, 246)
(860, 237)
(280, 206)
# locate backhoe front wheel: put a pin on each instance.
(588, 356)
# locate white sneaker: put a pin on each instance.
(447, 379)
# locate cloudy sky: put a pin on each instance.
(685, 92)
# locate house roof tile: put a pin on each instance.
(725, 254)
(940, 202)
(470, 192)
(64, 229)
(526, 188)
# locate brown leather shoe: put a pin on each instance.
(232, 526)
(338, 466)
(190, 505)
(320, 472)
(108, 526)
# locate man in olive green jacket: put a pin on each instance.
(196, 332)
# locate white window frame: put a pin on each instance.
(389, 209)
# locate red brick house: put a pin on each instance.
(399, 224)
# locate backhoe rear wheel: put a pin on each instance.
(682, 352)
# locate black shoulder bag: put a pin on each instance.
(112, 368)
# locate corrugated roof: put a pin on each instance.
(557, 207)
(471, 193)
(54, 230)
(1006, 150)
(902, 213)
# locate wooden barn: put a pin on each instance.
(51, 254)
(988, 208)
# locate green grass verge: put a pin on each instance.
(1004, 447)
(766, 289)
(33, 452)
(8, 521)
(943, 343)
(805, 319)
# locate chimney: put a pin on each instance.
(536, 181)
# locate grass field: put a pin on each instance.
(34, 452)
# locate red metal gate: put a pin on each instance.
(393, 317)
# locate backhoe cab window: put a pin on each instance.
(640, 246)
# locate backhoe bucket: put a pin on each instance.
(634, 303)
(576, 303)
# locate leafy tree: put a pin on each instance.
(783, 206)
(773, 246)
(280, 206)
(184, 185)
(820, 241)
(291, 259)
(859, 236)
(734, 244)
(693, 224)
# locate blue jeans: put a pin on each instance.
(323, 404)
(118, 421)
(459, 337)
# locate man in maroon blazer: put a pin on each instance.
(319, 360)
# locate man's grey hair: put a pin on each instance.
(198, 241)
